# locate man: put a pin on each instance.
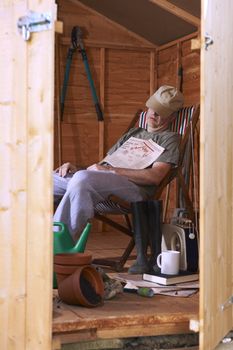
(82, 190)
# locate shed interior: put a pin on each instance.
(133, 47)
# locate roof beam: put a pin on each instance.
(145, 42)
(177, 11)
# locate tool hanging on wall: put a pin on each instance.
(77, 45)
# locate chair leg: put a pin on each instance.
(188, 202)
(117, 265)
(121, 228)
(168, 187)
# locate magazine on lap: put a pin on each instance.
(135, 154)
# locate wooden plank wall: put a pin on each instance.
(126, 69)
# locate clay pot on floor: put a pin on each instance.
(67, 263)
(72, 259)
(84, 287)
(63, 271)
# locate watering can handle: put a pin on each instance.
(60, 224)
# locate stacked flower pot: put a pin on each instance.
(79, 283)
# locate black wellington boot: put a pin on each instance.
(155, 209)
(140, 228)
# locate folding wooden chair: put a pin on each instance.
(184, 124)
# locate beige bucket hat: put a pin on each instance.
(165, 101)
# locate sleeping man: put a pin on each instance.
(79, 191)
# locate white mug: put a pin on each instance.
(169, 262)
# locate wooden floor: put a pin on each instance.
(127, 315)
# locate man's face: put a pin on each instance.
(155, 122)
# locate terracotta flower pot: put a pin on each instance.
(63, 271)
(65, 260)
(84, 287)
(72, 259)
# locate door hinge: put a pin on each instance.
(34, 22)
(208, 41)
(227, 303)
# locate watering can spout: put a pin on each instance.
(81, 244)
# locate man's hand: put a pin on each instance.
(66, 168)
(98, 167)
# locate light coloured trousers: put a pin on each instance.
(82, 191)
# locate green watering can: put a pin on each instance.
(63, 242)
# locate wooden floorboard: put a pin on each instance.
(127, 315)
(103, 244)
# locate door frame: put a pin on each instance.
(216, 175)
(26, 162)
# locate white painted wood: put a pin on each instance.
(216, 219)
(26, 161)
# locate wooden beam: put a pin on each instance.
(101, 123)
(152, 72)
(143, 41)
(58, 101)
(156, 76)
(58, 27)
(196, 44)
(177, 11)
(179, 67)
(102, 101)
(174, 42)
(109, 45)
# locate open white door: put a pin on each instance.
(26, 163)
(216, 219)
